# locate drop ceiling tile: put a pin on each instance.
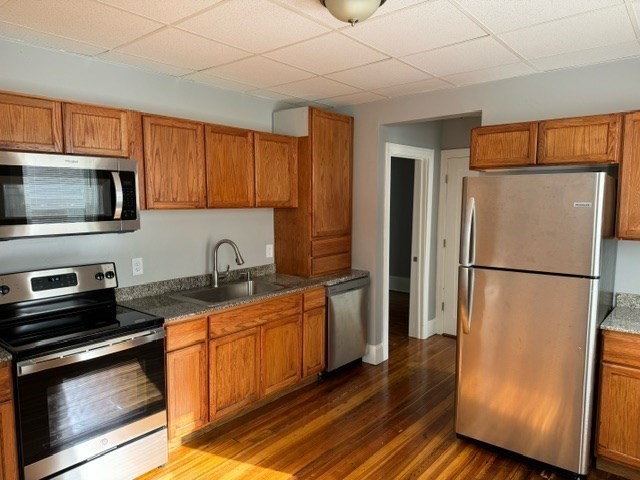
(260, 72)
(381, 74)
(393, 5)
(490, 74)
(588, 57)
(327, 54)
(34, 37)
(263, 93)
(590, 30)
(165, 11)
(254, 25)
(636, 8)
(415, 87)
(353, 99)
(183, 49)
(506, 15)
(143, 63)
(314, 89)
(213, 81)
(411, 30)
(463, 57)
(80, 20)
(313, 9)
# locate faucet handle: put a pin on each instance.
(224, 275)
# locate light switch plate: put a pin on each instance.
(269, 251)
(137, 268)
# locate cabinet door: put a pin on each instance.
(174, 163)
(619, 418)
(90, 130)
(230, 168)
(8, 445)
(276, 161)
(30, 124)
(594, 139)
(187, 392)
(629, 180)
(281, 348)
(313, 341)
(234, 369)
(502, 146)
(331, 156)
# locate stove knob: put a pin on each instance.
(99, 276)
(110, 274)
(4, 289)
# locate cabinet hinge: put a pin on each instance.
(446, 178)
(443, 306)
(444, 243)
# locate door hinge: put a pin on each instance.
(446, 178)
(443, 306)
(444, 243)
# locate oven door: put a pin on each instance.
(78, 404)
(43, 194)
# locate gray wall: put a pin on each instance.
(456, 132)
(172, 243)
(610, 87)
(401, 217)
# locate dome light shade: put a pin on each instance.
(352, 11)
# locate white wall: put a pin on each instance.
(602, 88)
(172, 243)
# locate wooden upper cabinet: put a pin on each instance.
(230, 168)
(30, 124)
(593, 139)
(500, 146)
(276, 170)
(174, 163)
(332, 154)
(90, 130)
(629, 180)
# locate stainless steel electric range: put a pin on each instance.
(89, 375)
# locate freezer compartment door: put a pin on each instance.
(525, 364)
(537, 222)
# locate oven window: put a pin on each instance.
(33, 195)
(64, 406)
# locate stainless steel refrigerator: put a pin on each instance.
(537, 265)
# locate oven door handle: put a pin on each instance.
(89, 352)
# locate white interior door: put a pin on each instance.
(454, 167)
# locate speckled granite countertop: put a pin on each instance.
(173, 309)
(626, 316)
(4, 357)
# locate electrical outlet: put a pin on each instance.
(137, 268)
(269, 251)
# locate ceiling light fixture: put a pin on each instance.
(352, 11)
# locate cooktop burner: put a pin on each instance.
(50, 310)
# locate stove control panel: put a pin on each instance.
(19, 287)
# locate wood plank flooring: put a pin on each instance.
(391, 421)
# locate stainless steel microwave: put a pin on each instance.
(48, 194)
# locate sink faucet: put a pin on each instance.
(239, 259)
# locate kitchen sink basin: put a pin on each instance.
(229, 291)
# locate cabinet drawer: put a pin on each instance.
(187, 333)
(621, 348)
(5, 383)
(330, 246)
(240, 318)
(313, 298)
(332, 263)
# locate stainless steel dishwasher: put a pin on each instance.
(347, 317)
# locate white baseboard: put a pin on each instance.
(399, 284)
(374, 354)
(432, 327)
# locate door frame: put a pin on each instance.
(442, 215)
(419, 325)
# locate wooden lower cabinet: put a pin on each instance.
(619, 407)
(187, 382)
(8, 443)
(313, 342)
(234, 371)
(281, 347)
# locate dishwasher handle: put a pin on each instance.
(347, 286)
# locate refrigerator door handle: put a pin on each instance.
(465, 297)
(468, 241)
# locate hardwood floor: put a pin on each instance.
(392, 421)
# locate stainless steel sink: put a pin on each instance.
(229, 291)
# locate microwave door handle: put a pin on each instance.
(117, 184)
